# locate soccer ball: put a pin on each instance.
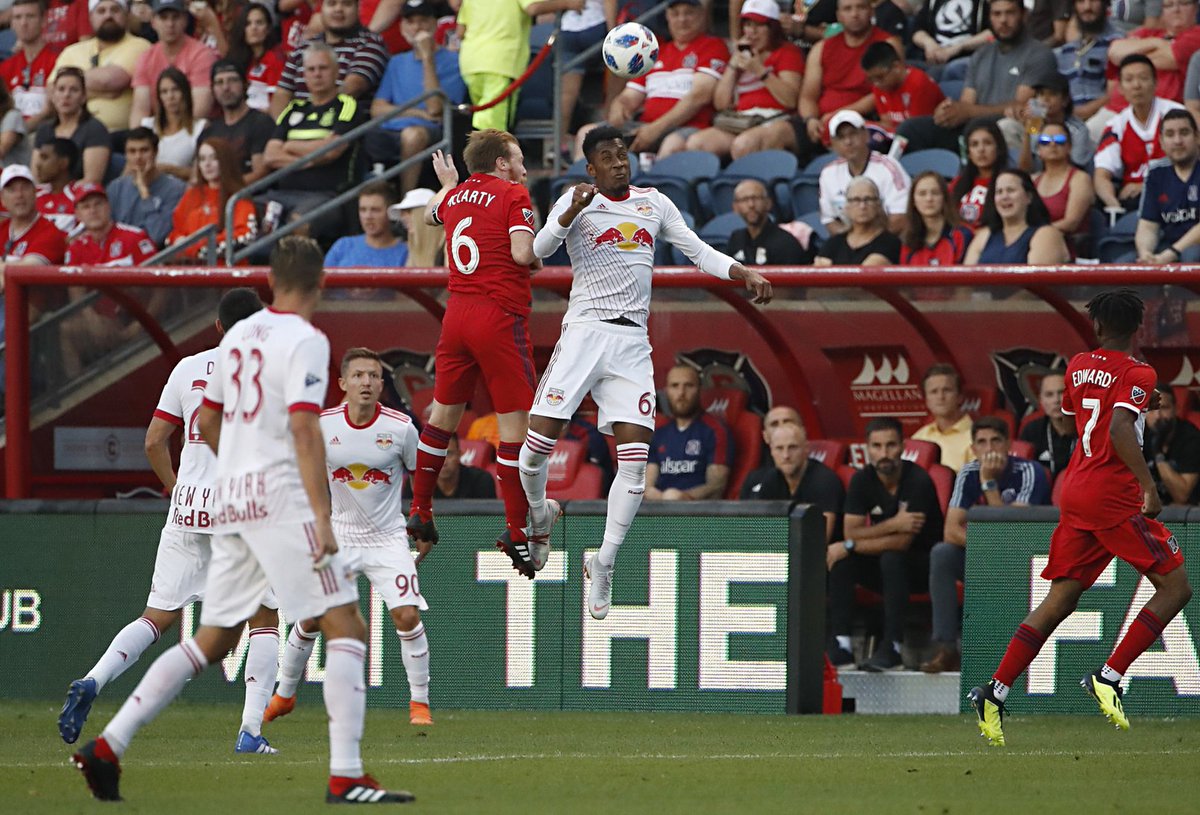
(630, 50)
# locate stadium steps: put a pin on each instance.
(901, 691)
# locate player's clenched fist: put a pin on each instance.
(755, 282)
(582, 195)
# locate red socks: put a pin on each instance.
(1025, 644)
(1143, 631)
(431, 455)
(516, 504)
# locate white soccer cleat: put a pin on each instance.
(539, 534)
(600, 592)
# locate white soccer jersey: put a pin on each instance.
(611, 245)
(367, 465)
(179, 404)
(269, 366)
(891, 179)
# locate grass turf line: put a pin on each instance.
(528, 763)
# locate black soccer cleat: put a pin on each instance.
(421, 528)
(518, 553)
(364, 790)
(102, 775)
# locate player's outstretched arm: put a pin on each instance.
(447, 174)
(310, 458)
(1123, 433)
(755, 282)
(210, 426)
(158, 435)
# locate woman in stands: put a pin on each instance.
(254, 44)
(70, 119)
(987, 154)
(1016, 228)
(933, 236)
(426, 244)
(867, 242)
(218, 175)
(1065, 189)
(177, 130)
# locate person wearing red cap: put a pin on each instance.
(102, 326)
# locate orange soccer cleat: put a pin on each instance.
(279, 706)
(418, 713)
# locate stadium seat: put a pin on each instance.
(745, 431)
(768, 166)
(942, 162)
(1029, 419)
(535, 106)
(943, 481)
(845, 473)
(476, 453)
(570, 475)
(1023, 449)
(577, 172)
(805, 188)
(818, 164)
(830, 452)
(813, 219)
(1118, 241)
(679, 176)
(922, 453)
(717, 231)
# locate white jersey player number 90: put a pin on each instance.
(460, 240)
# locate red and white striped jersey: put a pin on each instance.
(672, 76)
(179, 404)
(367, 466)
(1127, 146)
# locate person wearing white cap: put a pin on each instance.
(108, 61)
(27, 237)
(426, 242)
(412, 200)
(856, 159)
(377, 246)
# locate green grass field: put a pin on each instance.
(516, 762)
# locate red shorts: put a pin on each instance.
(1082, 554)
(480, 336)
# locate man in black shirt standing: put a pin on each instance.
(246, 129)
(763, 242)
(892, 519)
(1172, 448)
(795, 477)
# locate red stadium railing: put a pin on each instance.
(883, 283)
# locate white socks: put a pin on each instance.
(624, 497)
(299, 647)
(162, 683)
(414, 649)
(534, 472)
(1109, 675)
(346, 704)
(262, 662)
(129, 644)
(999, 690)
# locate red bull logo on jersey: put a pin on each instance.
(383, 441)
(360, 476)
(625, 236)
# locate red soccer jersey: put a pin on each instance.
(970, 206)
(843, 81)
(27, 80)
(59, 207)
(42, 240)
(479, 215)
(1170, 83)
(752, 92)
(672, 77)
(124, 245)
(1099, 491)
(67, 22)
(917, 95)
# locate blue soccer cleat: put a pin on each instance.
(253, 744)
(80, 695)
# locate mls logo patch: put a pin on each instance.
(1137, 395)
(528, 215)
(383, 441)
(692, 448)
(554, 397)
(1173, 545)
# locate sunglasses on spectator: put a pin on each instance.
(1057, 138)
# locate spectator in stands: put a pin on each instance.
(580, 29)
(757, 90)
(458, 480)
(949, 31)
(27, 237)
(141, 19)
(299, 20)
(900, 91)
(762, 242)
(212, 21)
(1169, 46)
(71, 119)
(14, 149)
(217, 176)
(820, 21)
(495, 51)
(986, 155)
(933, 235)
(254, 46)
(856, 159)
(307, 125)
(676, 97)
(174, 48)
(834, 80)
(1053, 433)
(109, 62)
(1131, 140)
(359, 58)
(1172, 448)
(1084, 62)
(1168, 229)
(794, 477)
(27, 72)
(174, 125)
(67, 22)
(867, 241)
(892, 519)
(1051, 104)
(1065, 189)
(143, 196)
(1016, 226)
(1135, 14)
(996, 479)
(690, 456)
(247, 130)
(950, 429)
(1000, 79)
(102, 326)
(427, 67)
(426, 242)
(53, 164)
(377, 246)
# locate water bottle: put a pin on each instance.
(271, 217)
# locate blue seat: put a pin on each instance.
(678, 177)
(805, 195)
(813, 219)
(768, 166)
(941, 161)
(818, 164)
(1117, 241)
(952, 88)
(717, 231)
(578, 172)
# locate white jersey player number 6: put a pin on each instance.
(460, 240)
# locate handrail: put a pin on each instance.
(165, 254)
(270, 179)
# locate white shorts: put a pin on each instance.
(246, 564)
(610, 361)
(180, 569)
(391, 570)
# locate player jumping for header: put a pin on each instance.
(1107, 509)
(610, 228)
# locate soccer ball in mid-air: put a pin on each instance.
(630, 50)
